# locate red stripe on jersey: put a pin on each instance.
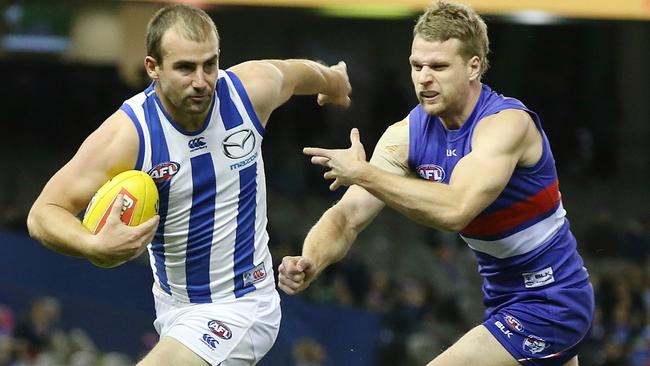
(520, 212)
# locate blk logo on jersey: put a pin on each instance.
(239, 144)
(197, 144)
(431, 172)
(220, 329)
(164, 171)
(539, 278)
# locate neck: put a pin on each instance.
(457, 115)
(189, 122)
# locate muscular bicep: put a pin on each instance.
(498, 145)
(265, 85)
(111, 149)
(392, 151)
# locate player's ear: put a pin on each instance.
(474, 67)
(152, 67)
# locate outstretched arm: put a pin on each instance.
(52, 220)
(500, 143)
(270, 83)
(330, 239)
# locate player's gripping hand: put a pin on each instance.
(342, 96)
(117, 242)
(346, 165)
(295, 274)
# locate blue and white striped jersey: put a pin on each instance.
(211, 243)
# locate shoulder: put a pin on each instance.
(251, 72)
(398, 132)
(118, 136)
(392, 150)
(263, 82)
(506, 130)
(516, 121)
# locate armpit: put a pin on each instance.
(392, 150)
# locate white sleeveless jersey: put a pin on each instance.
(211, 243)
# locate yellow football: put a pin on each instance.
(140, 200)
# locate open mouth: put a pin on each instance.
(429, 95)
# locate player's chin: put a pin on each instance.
(196, 107)
(432, 109)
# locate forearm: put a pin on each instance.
(330, 239)
(59, 230)
(431, 204)
(309, 77)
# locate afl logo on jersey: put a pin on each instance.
(431, 172)
(239, 144)
(164, 171)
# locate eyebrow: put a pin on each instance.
(436, 61)
(188, 62)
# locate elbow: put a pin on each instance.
(33, 224)
(455, 220)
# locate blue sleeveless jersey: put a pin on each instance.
(211, 243)
(522, 240)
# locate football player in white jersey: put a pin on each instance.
(183, 62)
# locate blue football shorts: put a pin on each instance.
(544, 327)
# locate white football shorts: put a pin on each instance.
(233, 333)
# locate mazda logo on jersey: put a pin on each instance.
(239, 144)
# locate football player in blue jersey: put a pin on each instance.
(468, 160)
(198, 130)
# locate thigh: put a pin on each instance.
(572, 362)
(476, 347)
(238, 332)
(169, 351)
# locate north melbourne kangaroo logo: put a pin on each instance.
(239, 144)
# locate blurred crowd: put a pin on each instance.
(35, 338)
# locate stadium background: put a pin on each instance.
(405, 291)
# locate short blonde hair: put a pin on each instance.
(193, 23)
(444, 20)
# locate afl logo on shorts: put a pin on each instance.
(431, 172)
(513, 323)
(164, 171)
(239, 144)
(220, 329)
(534, 344)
